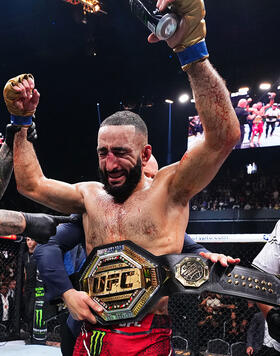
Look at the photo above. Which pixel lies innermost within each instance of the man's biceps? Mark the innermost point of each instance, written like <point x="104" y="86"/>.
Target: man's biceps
<point x="62" y="189"/>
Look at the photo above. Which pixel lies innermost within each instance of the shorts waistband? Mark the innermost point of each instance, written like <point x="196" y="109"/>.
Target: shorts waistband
<point x="149" y="322"/>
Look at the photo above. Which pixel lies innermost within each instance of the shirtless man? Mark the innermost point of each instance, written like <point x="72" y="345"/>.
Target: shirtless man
<point x="128" y="206"/>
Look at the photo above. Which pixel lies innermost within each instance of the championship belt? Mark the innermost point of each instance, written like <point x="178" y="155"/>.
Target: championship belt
<point x="127" y="280"/>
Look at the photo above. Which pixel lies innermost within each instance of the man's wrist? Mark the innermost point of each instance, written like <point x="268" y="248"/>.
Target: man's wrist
<point x="21" y="120"/>
<point x="196" y="53"/>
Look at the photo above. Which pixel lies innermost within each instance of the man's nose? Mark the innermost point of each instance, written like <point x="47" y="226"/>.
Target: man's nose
<point x="111" y="162"/>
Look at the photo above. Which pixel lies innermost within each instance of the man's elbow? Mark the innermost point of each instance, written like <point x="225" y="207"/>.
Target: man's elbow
<point x="24" y="189"/>
<point x="29" y="189"/>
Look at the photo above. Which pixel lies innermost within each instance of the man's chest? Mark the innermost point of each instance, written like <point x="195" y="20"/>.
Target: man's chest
<point x="135" y="219"/>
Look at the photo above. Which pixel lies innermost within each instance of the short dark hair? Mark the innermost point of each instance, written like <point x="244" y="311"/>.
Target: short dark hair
<point x="126" y="117"/>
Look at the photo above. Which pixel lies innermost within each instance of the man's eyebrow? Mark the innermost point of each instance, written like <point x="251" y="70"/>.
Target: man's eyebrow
<point x="121" y="148"/>
<point x="115" y="149"/>
<point x="101" y="149"/>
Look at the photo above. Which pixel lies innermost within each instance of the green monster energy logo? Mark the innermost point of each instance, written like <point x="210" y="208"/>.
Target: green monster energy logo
<point x="39" y="292"/>
<point x="39" y="318"/>
<point x="96" y="342"/>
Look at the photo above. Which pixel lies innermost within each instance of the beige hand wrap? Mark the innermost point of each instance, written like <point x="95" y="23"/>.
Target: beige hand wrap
<point x="11" y="95"/>
<point x="193" y="29"/>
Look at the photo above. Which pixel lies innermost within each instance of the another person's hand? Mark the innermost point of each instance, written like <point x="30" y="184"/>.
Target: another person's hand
<point x="219" y="257"/>
<point x="11" y="130"/>
<point x="40" y="227"/>
<point x="79" y="304"/>
<point x="249" y="350"/>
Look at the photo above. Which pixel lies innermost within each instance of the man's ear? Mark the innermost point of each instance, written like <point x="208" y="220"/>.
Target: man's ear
<point x="146" y="154"/>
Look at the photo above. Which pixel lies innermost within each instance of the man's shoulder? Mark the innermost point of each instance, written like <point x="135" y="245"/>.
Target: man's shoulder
<point x="166" y="171"/>
<point x="91" y="186"/>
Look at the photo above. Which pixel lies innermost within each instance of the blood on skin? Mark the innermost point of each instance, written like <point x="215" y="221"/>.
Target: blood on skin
<point x="184" y="157"/>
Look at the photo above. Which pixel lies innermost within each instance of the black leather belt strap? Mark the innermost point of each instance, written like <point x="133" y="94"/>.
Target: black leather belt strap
<point x="127" y="280"/>
<point x="234" y="280"/>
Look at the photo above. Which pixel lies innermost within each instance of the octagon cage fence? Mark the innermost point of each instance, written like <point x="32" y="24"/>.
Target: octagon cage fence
<point x="206" y="324"/>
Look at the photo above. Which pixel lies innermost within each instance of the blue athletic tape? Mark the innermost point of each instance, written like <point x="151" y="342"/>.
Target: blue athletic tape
<point x="193" y="53"/>
<point x="21" y="120"/>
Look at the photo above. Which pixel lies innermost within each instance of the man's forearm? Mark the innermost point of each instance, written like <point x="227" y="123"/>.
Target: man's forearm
<point x="213" y="105"/>
<point x="11" y="222"/>
<point x="6" y="167"/>
<point x="26" y="166"/>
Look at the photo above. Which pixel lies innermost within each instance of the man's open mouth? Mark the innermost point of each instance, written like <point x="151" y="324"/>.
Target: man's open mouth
<point x="115" y="177"/>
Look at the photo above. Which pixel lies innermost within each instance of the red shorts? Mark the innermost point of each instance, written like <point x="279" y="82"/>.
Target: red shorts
<point x="257" y="129"/>
<point x="148" y="337"/>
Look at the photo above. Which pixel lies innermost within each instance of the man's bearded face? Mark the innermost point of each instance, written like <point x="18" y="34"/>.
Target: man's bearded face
<point x="122" y="192"/>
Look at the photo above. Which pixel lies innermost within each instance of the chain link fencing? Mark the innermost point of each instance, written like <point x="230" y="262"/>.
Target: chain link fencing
<point x="202" y="324"/>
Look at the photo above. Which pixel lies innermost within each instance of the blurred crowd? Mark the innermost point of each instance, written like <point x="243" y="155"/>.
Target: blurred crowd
<point x="8" y="270"/>
<point x="225" y="318"/>
<point x="241" y="191"/>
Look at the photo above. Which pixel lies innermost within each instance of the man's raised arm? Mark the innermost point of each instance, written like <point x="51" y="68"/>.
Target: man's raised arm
<point x="6" y="154"/>
<point x="221" y="127"/>
<point x="22" y="99"/>
<point x="32" y="183"/>
<point x="221" y="131"/>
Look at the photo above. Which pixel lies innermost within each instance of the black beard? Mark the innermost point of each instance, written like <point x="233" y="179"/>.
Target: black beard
<point x="121" y="193"/>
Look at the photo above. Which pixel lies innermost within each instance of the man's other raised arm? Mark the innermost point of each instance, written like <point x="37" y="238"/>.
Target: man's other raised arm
<point x="221" y="127"/>
<point x="32" y="183"/>
<point x="221" y="130"/>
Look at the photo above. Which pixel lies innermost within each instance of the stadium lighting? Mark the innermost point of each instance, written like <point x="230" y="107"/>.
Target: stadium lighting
<point x="243" y="90"/>
<point x="278" y="88"/>
<point x="183" y="98"/>
<point x="265" y="86"/>
<point x="192" y="101"/>
<point x="169" y="101"/>
<point x="89" y="6"/>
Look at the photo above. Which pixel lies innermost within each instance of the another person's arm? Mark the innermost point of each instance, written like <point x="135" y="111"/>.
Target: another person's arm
<point x="39" y="227"/>
<point x="6" y="167"/>
<point x="255" y="330"/>
<point x="49" y="258"/>
<point x="190" y="246"/>
<point x="50" y="263"/>
<point x="268" y="260"/>
<point x="11" y="222"/>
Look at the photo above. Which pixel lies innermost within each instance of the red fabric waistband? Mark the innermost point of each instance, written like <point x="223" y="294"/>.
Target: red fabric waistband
<point x="150" y="321"/>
